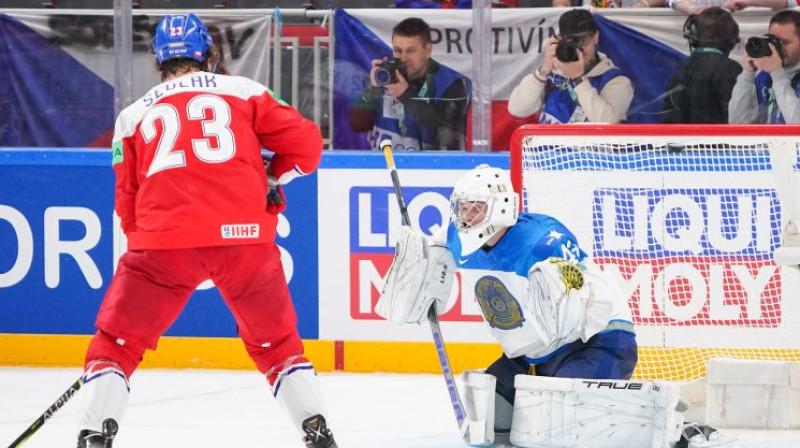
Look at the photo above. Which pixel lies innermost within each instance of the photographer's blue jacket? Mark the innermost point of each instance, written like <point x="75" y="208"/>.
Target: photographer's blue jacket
<point x="397" y="121"/>
<point x="767" y="103"/>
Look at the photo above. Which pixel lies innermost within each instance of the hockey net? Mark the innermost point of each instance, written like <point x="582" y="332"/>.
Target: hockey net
<point x="687" y="219"/>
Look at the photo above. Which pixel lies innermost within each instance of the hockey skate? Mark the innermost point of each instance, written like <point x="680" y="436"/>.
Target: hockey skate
<point x="317" y="433"/>
<point x="695" y="435"/>
<point x="94" y="439"/>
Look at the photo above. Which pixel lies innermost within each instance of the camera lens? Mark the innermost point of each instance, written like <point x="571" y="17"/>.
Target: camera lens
<point x="383" y="76"/>
<point x="567" y="50"/>
<point x="757" y="47"/>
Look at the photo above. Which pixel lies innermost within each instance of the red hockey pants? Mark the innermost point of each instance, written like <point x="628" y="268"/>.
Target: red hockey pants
<point x="151" y="288"/>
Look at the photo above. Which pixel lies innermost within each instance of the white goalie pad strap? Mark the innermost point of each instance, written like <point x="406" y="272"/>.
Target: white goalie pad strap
<point x="479" y="403"/>
<point x="420" y="275"/>
<point x="564" y="412"/>
<point x="104" y="395"/>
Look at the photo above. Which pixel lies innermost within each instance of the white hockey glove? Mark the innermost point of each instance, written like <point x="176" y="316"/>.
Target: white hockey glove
<point x="564" y="296"/>
<point x="420" y="275"/>
<point x="559" y="307"/>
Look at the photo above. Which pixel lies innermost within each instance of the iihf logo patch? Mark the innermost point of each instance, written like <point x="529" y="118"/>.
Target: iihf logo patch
<point x="235" y="231"/>
<point x="500" y="308"/>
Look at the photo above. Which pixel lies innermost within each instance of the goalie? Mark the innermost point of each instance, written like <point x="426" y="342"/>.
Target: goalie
<point x="560" y="321"/>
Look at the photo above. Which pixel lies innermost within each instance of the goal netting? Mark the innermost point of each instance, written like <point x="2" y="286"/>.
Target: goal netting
<point x="687" y="219"/>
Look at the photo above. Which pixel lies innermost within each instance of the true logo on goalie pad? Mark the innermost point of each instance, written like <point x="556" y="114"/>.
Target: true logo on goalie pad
<point x="623" y="385"/>
<point x="499" y="307"/>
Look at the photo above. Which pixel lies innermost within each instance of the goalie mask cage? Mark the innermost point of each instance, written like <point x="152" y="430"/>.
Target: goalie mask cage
<point x="686" y="218"/>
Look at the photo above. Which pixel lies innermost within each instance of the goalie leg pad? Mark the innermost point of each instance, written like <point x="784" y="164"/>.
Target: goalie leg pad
<point x="563" y="412"/>
<point x="479" y="403"/>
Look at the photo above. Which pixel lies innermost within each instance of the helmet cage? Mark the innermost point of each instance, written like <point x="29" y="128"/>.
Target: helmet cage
<point x="469" y="213"/>
<point x="482" y="204"/>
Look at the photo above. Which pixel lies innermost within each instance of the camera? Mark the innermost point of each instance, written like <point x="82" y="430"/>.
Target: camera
<point x="386" y="71"/>
<point x="758" y="47"/>
<point x="567" y="49"/>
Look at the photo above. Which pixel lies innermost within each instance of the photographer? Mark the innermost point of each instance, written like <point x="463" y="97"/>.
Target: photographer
<point x="767" y="89"/>
<point x="700" y="90"/>
<point x="575" y="83"/>
<point x="412" y="99"/>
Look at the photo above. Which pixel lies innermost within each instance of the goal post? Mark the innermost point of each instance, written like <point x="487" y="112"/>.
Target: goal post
<point x="687" y="218"/>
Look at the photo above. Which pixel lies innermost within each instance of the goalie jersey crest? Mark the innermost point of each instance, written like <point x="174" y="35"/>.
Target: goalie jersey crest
<point x="500" y="308"/>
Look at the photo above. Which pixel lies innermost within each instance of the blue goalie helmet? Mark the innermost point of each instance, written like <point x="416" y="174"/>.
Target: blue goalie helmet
<point x="181" y="36"/>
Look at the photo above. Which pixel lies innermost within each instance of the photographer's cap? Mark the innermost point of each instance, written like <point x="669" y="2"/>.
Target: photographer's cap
<point x="576" y="21"/>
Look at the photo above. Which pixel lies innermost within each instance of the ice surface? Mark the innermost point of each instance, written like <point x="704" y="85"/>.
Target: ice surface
<point x="211" y="409"/>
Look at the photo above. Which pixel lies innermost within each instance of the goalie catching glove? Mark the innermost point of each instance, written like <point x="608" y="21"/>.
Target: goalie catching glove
<point x="570" y="300"/>
<point x="420" y="275"/>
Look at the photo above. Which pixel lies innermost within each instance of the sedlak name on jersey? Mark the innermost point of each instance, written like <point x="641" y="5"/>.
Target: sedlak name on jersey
<point x="204" y="80"/>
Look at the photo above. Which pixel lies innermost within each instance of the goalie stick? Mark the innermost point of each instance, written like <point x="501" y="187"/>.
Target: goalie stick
<point x="63" y="399"/>
<point x="441" y="351"/>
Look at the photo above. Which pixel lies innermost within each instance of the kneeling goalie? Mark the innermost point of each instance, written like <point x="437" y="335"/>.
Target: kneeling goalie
<point x="565" y="328"/>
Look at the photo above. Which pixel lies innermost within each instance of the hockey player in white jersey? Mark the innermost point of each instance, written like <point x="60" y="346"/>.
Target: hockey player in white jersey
<point x="562" y="323"/>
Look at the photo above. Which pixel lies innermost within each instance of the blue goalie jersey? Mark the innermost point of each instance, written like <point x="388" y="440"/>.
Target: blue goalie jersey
<point x="499" y="279"/>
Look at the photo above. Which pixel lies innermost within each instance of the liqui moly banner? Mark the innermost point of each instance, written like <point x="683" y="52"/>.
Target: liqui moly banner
<point x="689" y="237"/>
<point x="356" y="251"/>
<point x="648" y="48"/>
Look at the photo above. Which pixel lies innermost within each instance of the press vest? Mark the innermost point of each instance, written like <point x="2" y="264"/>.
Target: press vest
<point x="396" y="123"/>
<point x="767" y="105"/>
<point x="561" y="103"/>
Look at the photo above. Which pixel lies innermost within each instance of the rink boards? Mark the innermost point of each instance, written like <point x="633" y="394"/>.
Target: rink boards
<point x="59" y="245"/>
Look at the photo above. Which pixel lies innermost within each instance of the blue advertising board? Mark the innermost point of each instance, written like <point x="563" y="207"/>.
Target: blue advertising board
<point x="57" y="239"/>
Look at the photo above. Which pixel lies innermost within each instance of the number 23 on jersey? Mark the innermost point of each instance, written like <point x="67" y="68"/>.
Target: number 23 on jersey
<point x="215" y="123"/>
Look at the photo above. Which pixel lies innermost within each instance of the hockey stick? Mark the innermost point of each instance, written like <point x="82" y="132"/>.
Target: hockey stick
<point x="63" y="399"/>
<point x="441" y="351"/>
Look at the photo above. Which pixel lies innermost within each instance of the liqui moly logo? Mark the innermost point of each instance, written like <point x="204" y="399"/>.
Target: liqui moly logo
<point x="696" y="257"/>
<point x="240" y="231"/>
<point x="375" y="223"/>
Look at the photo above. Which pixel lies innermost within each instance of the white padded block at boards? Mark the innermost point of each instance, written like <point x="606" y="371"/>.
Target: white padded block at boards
<point x="753" y="394"/>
